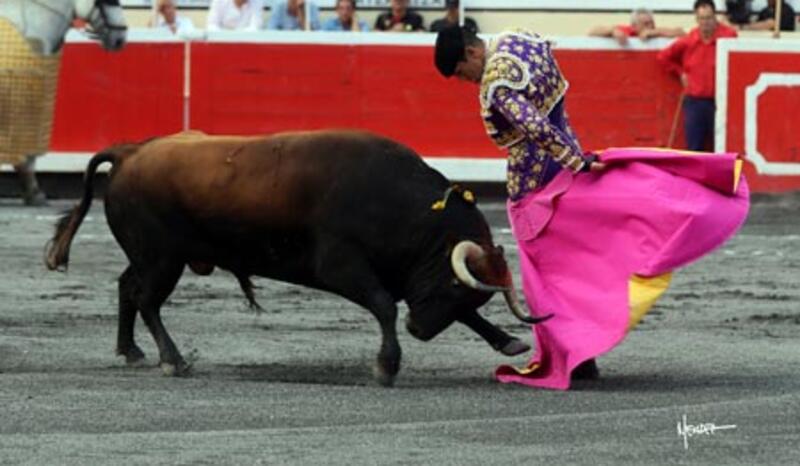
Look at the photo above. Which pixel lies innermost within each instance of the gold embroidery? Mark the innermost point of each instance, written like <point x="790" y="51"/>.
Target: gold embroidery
<point x="502" y="70"/>
<point x="507" y="137"/>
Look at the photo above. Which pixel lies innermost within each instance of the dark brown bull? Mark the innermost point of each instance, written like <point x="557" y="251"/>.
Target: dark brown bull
<point x="347" y="212"/>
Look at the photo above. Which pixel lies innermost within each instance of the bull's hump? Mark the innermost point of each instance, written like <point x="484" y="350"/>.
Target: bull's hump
<point x="193" y="136"/>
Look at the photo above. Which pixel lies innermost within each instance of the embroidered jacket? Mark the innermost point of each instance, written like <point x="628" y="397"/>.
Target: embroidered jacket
<point x="520" y="87"/>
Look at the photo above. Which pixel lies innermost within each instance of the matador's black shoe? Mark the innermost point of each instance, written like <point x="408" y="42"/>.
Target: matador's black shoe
<point x="587" y="370"/>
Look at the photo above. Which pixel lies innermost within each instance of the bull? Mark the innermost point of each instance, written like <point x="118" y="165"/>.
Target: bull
<point x="347" y="212"/>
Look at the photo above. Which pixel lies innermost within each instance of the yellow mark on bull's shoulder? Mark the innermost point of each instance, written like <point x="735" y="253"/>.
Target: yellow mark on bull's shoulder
<point x="465" y="194"/>
<point x="438" y="205"/>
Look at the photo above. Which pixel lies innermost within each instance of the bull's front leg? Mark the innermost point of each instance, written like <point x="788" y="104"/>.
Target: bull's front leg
<point x="344" y="270"/>
<point x="497" y="339"/>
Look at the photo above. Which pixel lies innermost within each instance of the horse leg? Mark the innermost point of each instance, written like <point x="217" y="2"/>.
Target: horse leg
<point x="128" y="296"/>
<point x="32" y="195"/>
<point x="497" y="339"/>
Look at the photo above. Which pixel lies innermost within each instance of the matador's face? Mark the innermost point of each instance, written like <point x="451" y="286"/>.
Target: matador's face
<point x="471" y="67"/>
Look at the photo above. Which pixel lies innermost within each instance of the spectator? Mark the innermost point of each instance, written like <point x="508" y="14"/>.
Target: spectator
<point x="168" y="18"/>
<point x="738" y="11"/>
<point x="693" y="58"/>
<point x="399" y="19"/>
<point x="766" y="18"/>
<point x="290" y="15"/>
<point x="235" y="15"/>
<point x="346" y="19"/>
<point x="642" y="25"/>
<point x="451" y="17"/>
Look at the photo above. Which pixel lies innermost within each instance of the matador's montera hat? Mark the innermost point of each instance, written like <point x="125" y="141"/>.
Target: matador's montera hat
<point x="449" y="50"/>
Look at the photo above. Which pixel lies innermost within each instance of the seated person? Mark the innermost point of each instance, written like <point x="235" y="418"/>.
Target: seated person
<point x="642" y="25"/>
<point x="290" y="15"/>
<point x="346" y="19"/>
<point x="738" y="11"/>
<point x="766" y="18"/>
<point x="168" y="18"/>
<point x="242" y="15"/>
<point x="399" y="19"/>
<point x="451" y="17"/>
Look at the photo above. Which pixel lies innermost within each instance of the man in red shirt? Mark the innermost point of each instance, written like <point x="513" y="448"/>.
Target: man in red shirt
<point x="693" y="58"/>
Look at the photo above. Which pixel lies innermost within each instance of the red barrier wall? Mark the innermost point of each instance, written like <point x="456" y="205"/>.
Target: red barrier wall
<point x="104" y="98"/>
<point x="616" y="97"/>
<point x="776" y="130"/>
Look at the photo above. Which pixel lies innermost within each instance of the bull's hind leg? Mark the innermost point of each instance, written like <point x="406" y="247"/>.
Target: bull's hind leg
<point x="157" y="282"/>
<point x="128" y="298"/>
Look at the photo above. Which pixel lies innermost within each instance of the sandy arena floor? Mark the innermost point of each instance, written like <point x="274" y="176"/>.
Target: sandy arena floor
<point x="293" y="385"/>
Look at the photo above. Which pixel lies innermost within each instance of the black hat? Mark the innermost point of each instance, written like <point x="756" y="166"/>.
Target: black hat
<point x="451" y="3"/>
<point x="449" y="50"/>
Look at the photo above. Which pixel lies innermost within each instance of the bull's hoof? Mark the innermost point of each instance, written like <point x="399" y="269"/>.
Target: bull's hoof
<point x="514" y="347"/>
<point x="587" y="370"/>
<point x="176" y="370"/>
<point x="133" y="356"/>
<point x="384" y="378"/>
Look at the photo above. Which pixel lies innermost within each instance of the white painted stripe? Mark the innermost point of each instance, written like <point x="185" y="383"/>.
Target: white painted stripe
<point x="470" y="169"/>
<point x="593" y="5"/>
<point x="60" y="162"/>
<point x="762" y="45"/>
<point x="721" y="97"/>
<point x="455" y="168"/>
<point x="145" y="35"/>
<point x="724" y="49"/>
<point x="763" y="164"/>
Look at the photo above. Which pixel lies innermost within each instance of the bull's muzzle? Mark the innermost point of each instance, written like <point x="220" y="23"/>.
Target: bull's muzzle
<point x="417" y="331"/>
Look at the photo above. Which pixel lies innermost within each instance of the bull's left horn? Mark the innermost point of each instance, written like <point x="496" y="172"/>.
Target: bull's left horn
<point x="463" y="251"/>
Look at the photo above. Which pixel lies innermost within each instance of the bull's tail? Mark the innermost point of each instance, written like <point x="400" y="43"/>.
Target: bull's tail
<point x="57" y="255"/>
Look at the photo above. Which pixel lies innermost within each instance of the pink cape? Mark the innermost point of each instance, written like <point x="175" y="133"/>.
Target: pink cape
<point x="583" y="237"/>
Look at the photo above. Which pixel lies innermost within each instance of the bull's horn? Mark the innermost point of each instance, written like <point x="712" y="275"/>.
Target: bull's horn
<point x="458" y="259"/>
<point x="469" y="250"/>
<point x="516" y="307"/>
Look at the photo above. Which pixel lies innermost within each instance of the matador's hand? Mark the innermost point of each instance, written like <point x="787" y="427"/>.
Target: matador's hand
<point x="593" y="163"/>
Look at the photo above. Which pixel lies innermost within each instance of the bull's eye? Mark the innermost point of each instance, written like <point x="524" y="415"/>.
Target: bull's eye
<point x="456" y="282"/>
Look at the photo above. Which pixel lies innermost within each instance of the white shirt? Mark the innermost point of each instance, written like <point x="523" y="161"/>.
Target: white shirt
<point x="183" y="25"/>
<point x="223" y="14"/>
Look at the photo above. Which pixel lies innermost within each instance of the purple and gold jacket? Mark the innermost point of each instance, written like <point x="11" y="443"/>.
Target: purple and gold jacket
<point x="521" y="98"/>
